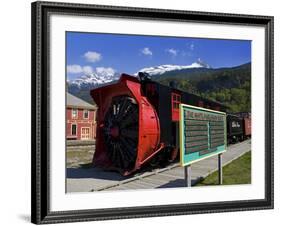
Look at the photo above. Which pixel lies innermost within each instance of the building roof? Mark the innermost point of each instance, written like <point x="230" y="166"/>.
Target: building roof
<point x="73" y="101"/>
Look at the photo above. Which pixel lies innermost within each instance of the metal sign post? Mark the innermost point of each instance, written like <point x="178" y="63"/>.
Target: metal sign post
<point x="220" y="168"/>
<point x="187" y="175"/>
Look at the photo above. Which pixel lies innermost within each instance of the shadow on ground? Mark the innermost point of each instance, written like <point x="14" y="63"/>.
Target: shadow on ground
<point x="89" y="171"/>
<point x="178" y="183"/>
<point x="97" y="173"/>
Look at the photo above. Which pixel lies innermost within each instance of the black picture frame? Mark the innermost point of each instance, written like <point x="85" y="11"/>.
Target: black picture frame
<point x="40" y="211"/>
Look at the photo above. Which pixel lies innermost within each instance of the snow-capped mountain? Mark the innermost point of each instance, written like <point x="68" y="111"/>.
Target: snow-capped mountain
<point x="94" y="79"/>
<point x="200" y="76"/>
<point x="159" y="70"/>
<point x="100" y="77"/>
<point x="81" y="85"/>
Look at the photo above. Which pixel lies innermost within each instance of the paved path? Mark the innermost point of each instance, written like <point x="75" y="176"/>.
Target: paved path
<point x="94" y="179"/>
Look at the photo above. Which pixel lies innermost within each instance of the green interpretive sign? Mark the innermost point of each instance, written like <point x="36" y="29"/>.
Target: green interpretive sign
<point x="202" y="133"/>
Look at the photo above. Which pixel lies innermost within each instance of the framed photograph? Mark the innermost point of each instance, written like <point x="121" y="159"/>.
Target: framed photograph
<point x="141" y="112"/>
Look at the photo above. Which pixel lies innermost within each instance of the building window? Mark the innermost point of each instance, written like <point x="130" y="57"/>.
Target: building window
<point x="85" y="133"/>
<point x="176" y="100"/>
<point x="74" y="113"/>
<point x="73" y="129"/>
<point x="86" y="114"/>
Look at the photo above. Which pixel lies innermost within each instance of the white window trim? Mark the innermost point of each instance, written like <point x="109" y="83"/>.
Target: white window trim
<point x="72" y="110"/>
<point x="86" y="127"/>
<point x="71" y="129"/>
<point x="84" y="114"/>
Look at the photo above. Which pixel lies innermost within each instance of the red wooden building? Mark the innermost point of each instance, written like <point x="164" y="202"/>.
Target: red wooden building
<point x="80" y="119"/>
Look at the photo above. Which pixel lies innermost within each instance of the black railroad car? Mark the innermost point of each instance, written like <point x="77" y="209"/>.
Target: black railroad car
<point x="235" y="131"/>
<point x="166" y="100"/>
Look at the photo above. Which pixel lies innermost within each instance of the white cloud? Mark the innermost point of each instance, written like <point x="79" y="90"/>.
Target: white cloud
<point x="92" y="56"/>
<point x="188" y="53"/>
<point x="105" y="70"/>
<point x="87" y="70"/>
<point x="74" y="69"/>
<point x="191" y="46"/>
<point x="77" y="69"/>
<point x="173" y="52"/>
<point x="146" y="51"/>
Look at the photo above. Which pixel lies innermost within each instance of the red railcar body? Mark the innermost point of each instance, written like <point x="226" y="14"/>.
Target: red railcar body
<point x="247" y="127"/>
<point x="148" y="128"/>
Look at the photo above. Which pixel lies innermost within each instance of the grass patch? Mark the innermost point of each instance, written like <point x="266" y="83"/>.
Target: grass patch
<point x="236" y="172"/>
<point x="79" y="158"/>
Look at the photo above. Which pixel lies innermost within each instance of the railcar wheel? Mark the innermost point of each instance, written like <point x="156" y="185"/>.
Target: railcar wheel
<point x="121" y="131"/>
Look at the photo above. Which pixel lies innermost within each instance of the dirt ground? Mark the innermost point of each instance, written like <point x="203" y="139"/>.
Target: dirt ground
<point x="79" y="157"/>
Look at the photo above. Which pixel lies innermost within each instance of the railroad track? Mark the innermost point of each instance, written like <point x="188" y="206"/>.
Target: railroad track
<point x="170" y="176"/>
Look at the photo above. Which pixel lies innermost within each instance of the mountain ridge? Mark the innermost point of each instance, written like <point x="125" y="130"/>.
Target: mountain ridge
<point x="212" y="83"/>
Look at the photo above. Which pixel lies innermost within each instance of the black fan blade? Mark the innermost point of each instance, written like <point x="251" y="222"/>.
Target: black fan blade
<point x="130" y="133"/>
<point x="122" y="116"/>
<point x="122" y="111"/>
<point x="131" y="119"/>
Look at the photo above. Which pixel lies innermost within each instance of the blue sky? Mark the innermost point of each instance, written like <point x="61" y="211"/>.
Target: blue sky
<point x="90" y="52"/>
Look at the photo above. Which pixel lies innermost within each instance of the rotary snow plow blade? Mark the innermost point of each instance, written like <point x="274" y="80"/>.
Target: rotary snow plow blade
<point x="128" y="130"/>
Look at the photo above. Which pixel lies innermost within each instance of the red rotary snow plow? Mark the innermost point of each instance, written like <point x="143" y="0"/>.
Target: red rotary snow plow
<point x="128" y="129"/>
